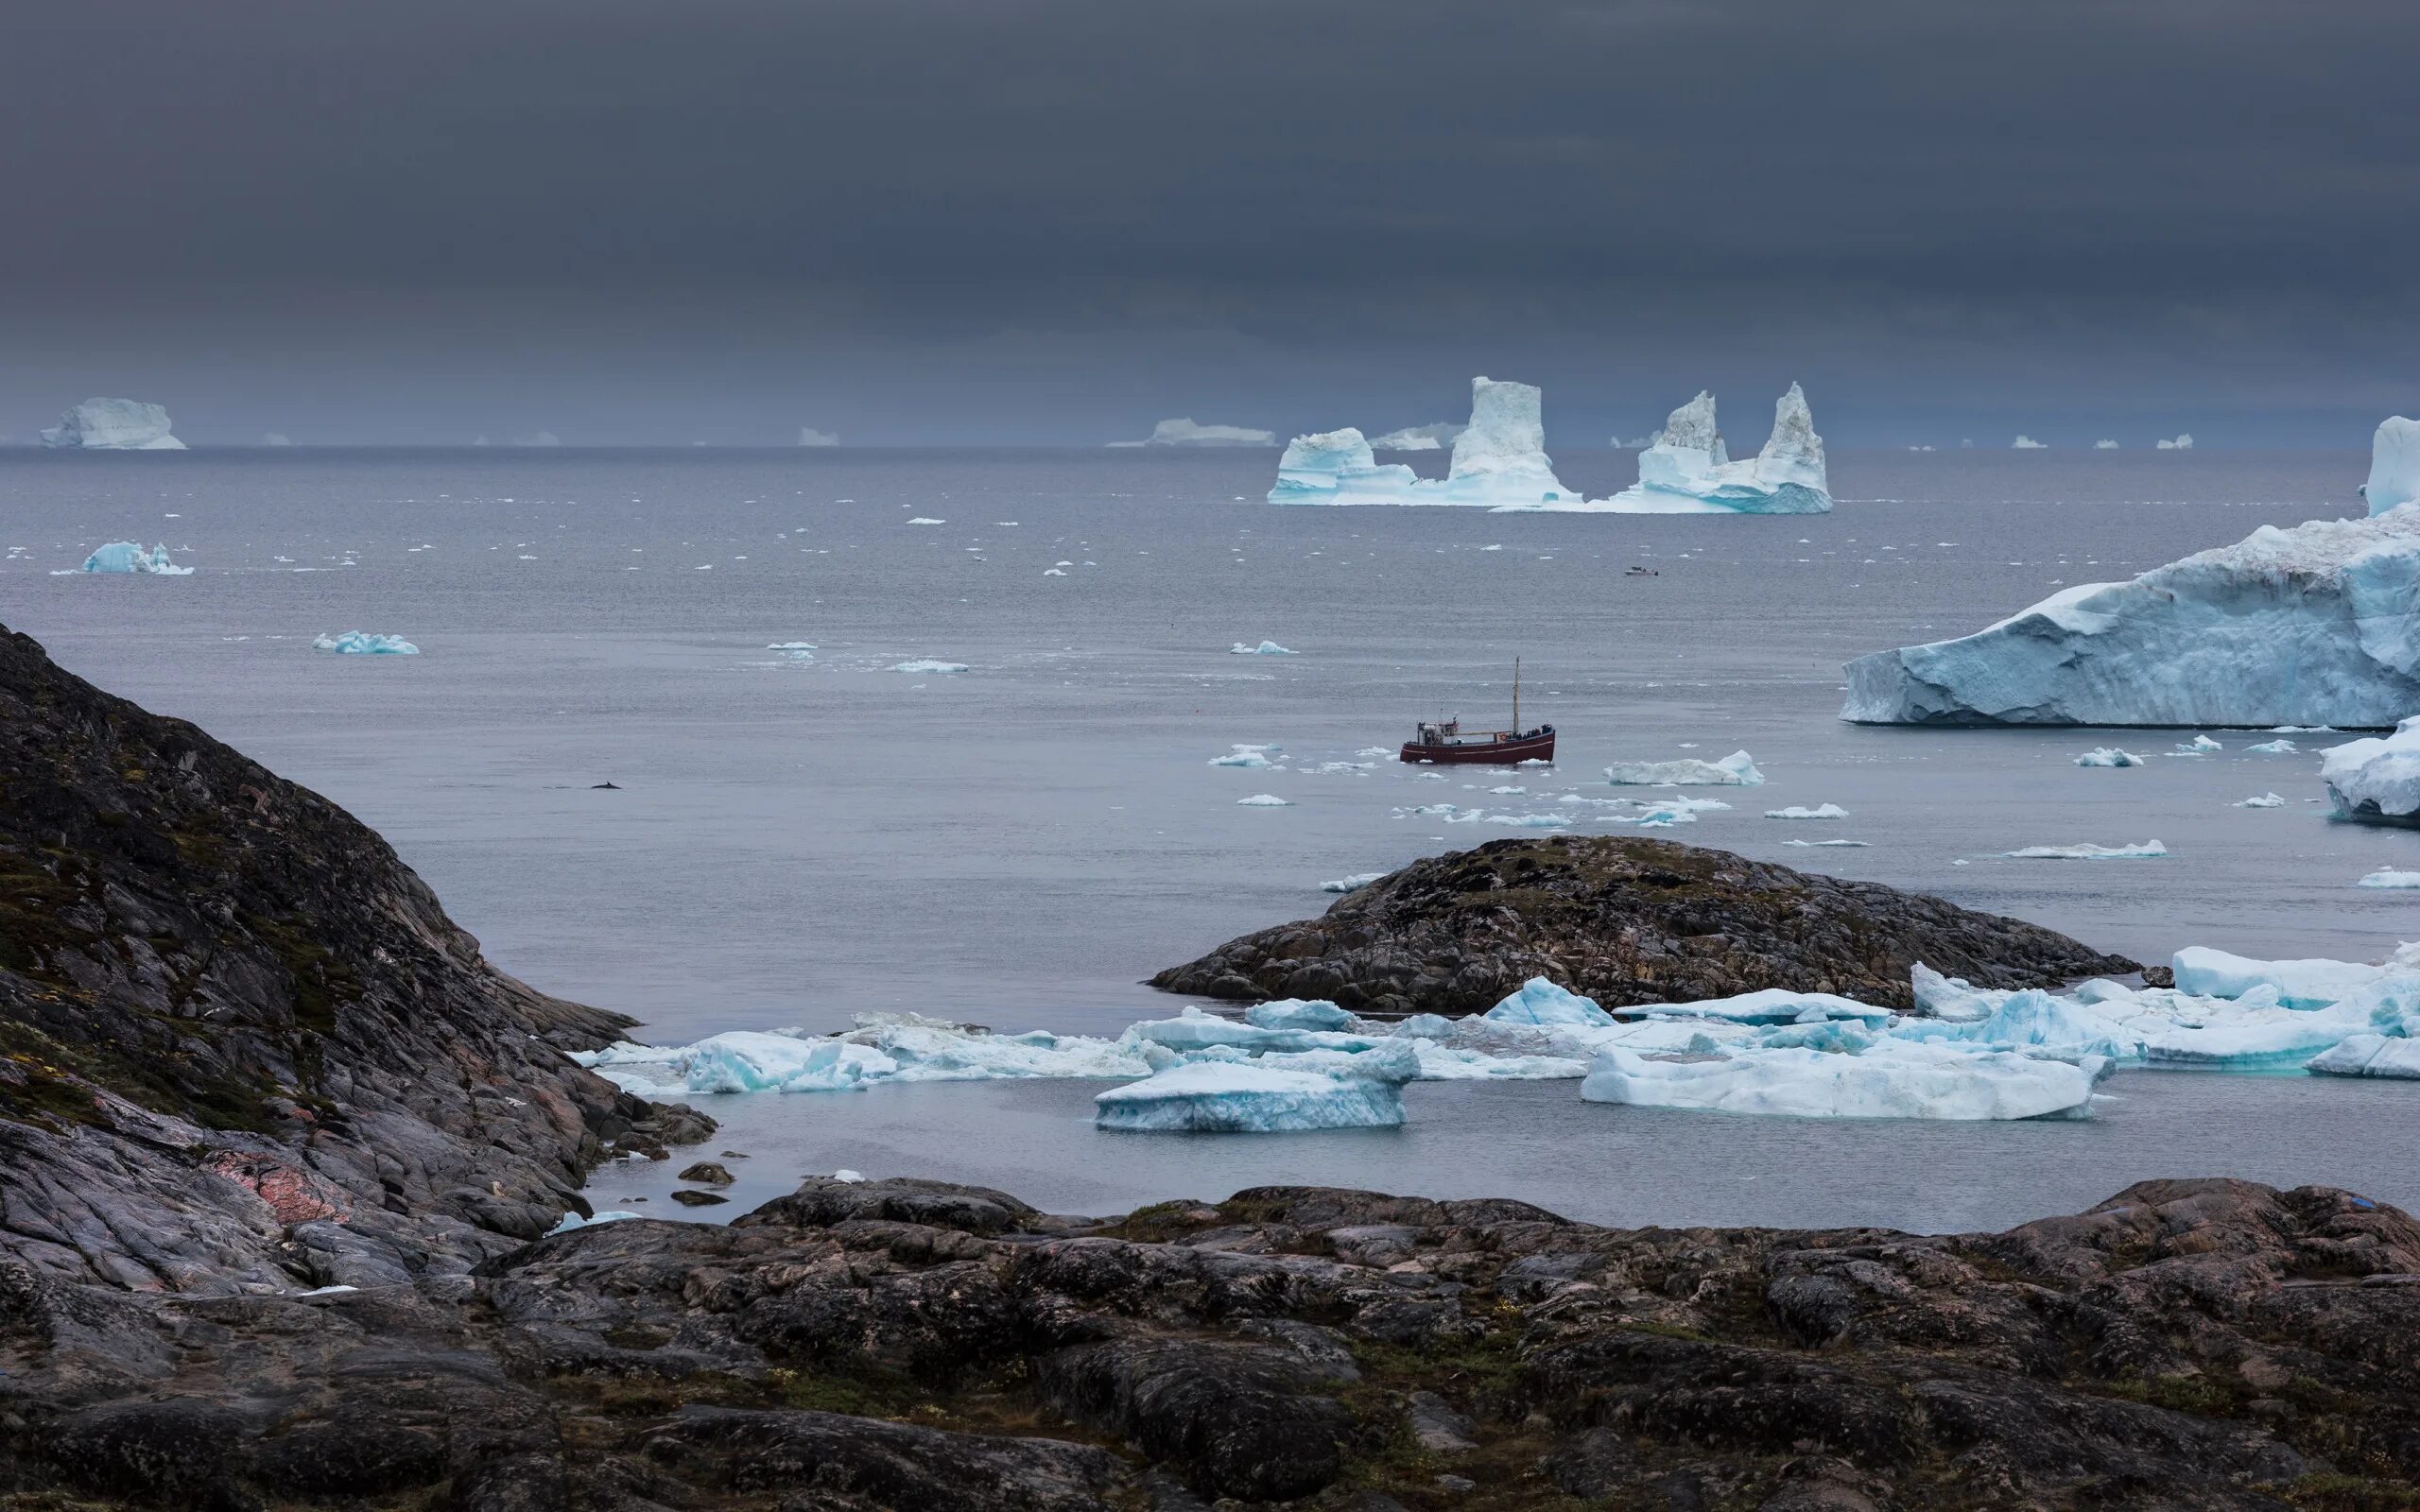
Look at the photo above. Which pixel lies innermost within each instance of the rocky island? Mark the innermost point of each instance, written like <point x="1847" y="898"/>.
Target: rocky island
<point x="280" y="1157"/>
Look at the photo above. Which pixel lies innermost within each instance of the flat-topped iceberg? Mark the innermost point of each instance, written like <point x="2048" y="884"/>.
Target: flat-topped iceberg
<point x="1434" y="437"/>
<point x="1183" y="431"/>
<point x="2316" y="625"/>
<point x="112" y="425"/>
<point x="1499" y="461"/>
<point x="1876" y="1078"/>
<point x="356" y="642"/>
<point x="1688" y="470"/>
<point x="1220" y="1097"/>
<point x="1739" y="769"/>
<point x="129" y="557"/>
<point x="2376" y="781"/>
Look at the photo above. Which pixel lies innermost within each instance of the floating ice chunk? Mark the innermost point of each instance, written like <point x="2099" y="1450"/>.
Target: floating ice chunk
<point x="1826" y="811"/>
<point x="846" y="1174"/>
<point x="1264" y="800"/>
<point x="1427" y="438"/>
<point x="2032" y="1019"/>
<point x="795" y="650"/>
<point x="2265" y="800"/>
<point x="112" y="425"/>
<point x="2110" y="756"/>
<point x="1951" y="998"/>
<point x="2394" y="465"/>
<point x="1534" y="821"/>
<point x="1253" y="758"/>
<point x="1183" y="432"/>
<point x="1686" y="470"/>
<point x="1850" y="845"/>
<point x="1738" y="769"/>
<point x="1887" y="1079"/>
<point x="1541" y="1001"/>
<point x="1770" y="1005"/>
<point x="2104" y="444"/>
<point x="2027" y="443"/>
<point x="1426" y="1027"/>
<point x="1336" y="467"/>
<point x="928" y="665"/>
<point x="926" y="520"/>
<point x="2310" y="983"/>
<point x="2182" y="443"/>
<point x="2145" y="851"/>
<point x="129" y="557"/>
<point x="1499" y="461"/>
<point x="1351" y="884"/>
<point x="2389" y="877"/>
<point x="2377" y="780"/>
<point x="2370" y="1055"/>
<point x="1193" y="1031"/>
<point x="2313" y="625"/>
<point x="742" y="1061"/>
<point x="1263" y="648"/>
<point x="354" y="642"/>
<point x="1243" y="1098"/>
<point x="2199" y="746"/>
<point x="1298" y="1013"/>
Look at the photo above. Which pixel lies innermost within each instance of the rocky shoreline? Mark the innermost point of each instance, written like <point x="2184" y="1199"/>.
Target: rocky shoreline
<point x="1625" y="921"/>
<point x="280" y="1153"/>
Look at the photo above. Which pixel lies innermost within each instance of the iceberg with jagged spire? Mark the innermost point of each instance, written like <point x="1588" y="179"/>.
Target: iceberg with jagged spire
<point x="1500" y="462"/>
<point x="112" y="425"/>
<point x="1686" y="469"/>
<point x="2316" y="625"/>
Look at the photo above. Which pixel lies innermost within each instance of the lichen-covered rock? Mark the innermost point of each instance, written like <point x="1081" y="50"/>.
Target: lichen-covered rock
<point x="1624" y="921"/>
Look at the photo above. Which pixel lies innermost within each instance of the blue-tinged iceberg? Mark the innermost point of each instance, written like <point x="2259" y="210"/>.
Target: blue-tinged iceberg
<point x="2316" y="625"/>
<point x="356" y="642"/>
<point x="2376" y="781"/>
<point x="1739" y="769"/>
<point x="1227" y="1098"/>
<point x="2370" y="1055"/>
<point x="1688" y="470"/>
<point x="1499" y="461"/>
<point x="129" y="557"/>
<point x="1851" y="1076"/>
<point x="112" y="425"/>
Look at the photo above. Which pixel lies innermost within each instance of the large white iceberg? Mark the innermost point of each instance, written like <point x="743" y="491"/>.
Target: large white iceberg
<point x="1853" y="1078"/>
<point x="2394" y="465"/>
<point x="113" y="425"/>
<point x="2376" y="779"/>
<point x="1739" y="769"/>
<point x="2310" y="983"/>
<point x="1499" y="461"/>
<point x="1688" y="470"/>
<point x="129" y="557"/>
<point x="1224" y="1097"/>
<point x="1183" y="432"/>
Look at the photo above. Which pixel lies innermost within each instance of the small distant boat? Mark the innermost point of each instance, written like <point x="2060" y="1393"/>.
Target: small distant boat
<point x="1447" y="742"/>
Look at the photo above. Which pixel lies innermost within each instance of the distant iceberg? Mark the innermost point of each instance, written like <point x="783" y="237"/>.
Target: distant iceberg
<point x="809" y="435"/>
<point x="354" y="642"/>
<point x="128" y="557"/>
<point x="1739" y="769"/>
<point x="927" y="665"/>
<point x="1688" y="470"/>
<point x="1797" y="811"/>
<point x="1263" y="648"/>
<point x="2110" y="756"/>
<point x="276" y="438"/>
<point x="1850" y="1076"/>
<point x="2376" y="781"/>
<point x="2145" y="851"/>
<point x="2104" y="444"/>
<point x="1183" y="432"/>
<point x="1217" y="1097"/>
<point x="1499" y="461"/>
<point x="2027" y="443"/>
<point x="2181" y="443"/>
<point x="1431" y="437"/>
<point x="1351" y="884"/>
<point x="112" y="425"/>
<point x="2316" y="625"/>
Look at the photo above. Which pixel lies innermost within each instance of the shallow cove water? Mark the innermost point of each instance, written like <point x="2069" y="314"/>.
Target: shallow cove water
<point x="791" y="842"/>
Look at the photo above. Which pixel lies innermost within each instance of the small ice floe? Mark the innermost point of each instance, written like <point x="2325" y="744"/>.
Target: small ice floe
<point x="1824" y="811"/>
<point x="1226" y="1097"/>
<point x="928" y="665"/>
<point x="926" y="520"/>
<point x="2274" y="747"/>
<point x="2199" y="746"/>
<point x="1851" y="845"/>
<point x="1263" y="648"/>
<point x="800" y="651"/>
<point x="1531" y="821"/>
<point x="2389" y="877"/>
<point x="2111" y="756"/>
<point x="1351" y="884"/>
<point x="1252" y="757"/>
<point x="1264" y="800"/>
<point x="2148" y="849"/>
<point x="844" y="1174"/>
<point x="2375" y="780"/>
<point x="129" y="557"/>
<point x="356" y="642"/>
<point x="2265" y="800"/>
<point x="1736" y="770"/>
<point x="1054" y="572"/>
<point x="1509" y="790"/>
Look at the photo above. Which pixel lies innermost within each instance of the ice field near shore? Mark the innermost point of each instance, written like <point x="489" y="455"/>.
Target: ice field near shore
<point x="791" y="842"/>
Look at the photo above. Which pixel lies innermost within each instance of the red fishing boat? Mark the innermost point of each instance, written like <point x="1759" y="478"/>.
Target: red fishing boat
<point x="1446" y="741"/>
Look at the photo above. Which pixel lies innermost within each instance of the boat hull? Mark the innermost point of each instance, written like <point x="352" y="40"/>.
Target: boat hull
<point x="1482" y="752"/>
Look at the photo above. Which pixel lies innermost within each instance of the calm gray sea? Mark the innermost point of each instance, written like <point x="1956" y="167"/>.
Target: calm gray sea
<point x="793" y="842"/>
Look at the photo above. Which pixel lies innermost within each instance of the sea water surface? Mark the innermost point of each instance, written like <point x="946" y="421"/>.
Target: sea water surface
<point x="792" y="840"/>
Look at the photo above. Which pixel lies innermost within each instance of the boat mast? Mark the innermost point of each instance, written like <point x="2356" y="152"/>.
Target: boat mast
<point x="1516" y="696"/>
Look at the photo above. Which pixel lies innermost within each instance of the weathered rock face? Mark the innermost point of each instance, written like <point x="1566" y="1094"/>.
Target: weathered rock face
<point x="910" y="1346"/>
<point x="1625" y="921"/>
<point x="240" y="1043"/>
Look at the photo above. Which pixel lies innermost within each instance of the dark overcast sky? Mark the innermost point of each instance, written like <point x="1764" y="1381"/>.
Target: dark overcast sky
<point x="941" y="221"/>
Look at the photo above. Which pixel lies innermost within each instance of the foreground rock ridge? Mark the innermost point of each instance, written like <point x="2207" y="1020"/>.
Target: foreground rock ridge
<point x="241" y="1046"/>
<point x="910" y="1345"/>
<point x="1625" y="921"/>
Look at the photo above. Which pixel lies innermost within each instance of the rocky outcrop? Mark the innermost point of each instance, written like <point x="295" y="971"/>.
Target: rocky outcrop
<point x="1625" y="921"/>
<point x="241" y="1046"/>
<point x="912" y="1346"/>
